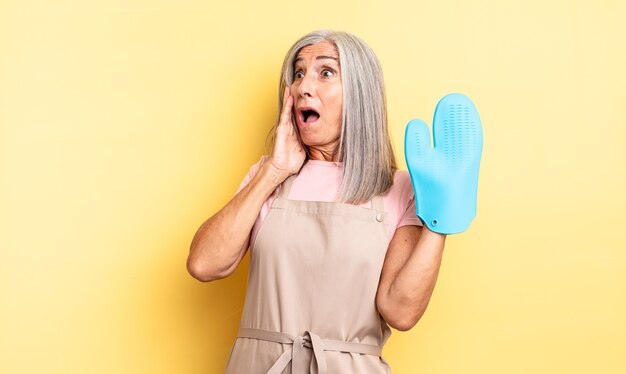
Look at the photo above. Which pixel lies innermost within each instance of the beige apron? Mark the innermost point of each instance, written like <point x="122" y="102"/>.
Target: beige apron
<point x="310" y="303"/>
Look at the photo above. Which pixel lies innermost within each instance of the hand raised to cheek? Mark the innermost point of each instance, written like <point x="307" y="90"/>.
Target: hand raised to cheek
<point x="288" y="154"/>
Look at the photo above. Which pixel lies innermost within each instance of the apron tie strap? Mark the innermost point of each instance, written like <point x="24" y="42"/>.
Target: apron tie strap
<point x="309" y="340"/>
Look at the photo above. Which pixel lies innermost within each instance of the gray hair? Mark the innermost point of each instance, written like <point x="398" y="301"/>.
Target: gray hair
<point x="364" y="146"/>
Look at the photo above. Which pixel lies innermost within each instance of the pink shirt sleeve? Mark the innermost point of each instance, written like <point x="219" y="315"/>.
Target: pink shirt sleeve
<point x="265" y="208"/>
<point x="254" y="169"/>
<point x="407" y="200"/>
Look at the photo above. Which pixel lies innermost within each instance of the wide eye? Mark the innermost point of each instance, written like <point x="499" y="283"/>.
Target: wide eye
<point x="298" y="74"/>
<point x="327" y="73"/>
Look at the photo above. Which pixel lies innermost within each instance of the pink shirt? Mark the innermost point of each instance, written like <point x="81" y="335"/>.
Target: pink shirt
<point x="320" y="181"/>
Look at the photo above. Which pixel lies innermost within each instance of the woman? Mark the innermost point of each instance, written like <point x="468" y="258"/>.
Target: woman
<point x="338" y="254"/>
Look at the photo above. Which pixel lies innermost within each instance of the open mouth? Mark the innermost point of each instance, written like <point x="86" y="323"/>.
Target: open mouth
<point x="309" y="115"/>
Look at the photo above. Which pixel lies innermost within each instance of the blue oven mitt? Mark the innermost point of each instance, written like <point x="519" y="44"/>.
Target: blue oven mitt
<point x="445" y="178"/>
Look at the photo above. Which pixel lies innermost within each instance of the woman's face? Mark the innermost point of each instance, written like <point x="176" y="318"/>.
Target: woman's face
<point x="317" y="93"/>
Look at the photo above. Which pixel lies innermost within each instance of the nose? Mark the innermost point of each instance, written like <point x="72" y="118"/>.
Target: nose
<point x="306" y="85"/>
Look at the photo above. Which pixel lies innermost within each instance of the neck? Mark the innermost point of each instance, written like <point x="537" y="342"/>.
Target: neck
<point x="322" y="154"/>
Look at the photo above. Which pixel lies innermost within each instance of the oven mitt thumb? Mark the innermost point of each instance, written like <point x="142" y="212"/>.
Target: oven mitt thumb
<point x="445" y="178"/>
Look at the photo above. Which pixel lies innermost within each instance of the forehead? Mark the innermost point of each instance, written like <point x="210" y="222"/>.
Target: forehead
<point x="313" y="51"/>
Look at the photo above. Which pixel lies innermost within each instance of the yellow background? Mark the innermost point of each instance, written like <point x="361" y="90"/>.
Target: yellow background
<point x="125" y="124"/>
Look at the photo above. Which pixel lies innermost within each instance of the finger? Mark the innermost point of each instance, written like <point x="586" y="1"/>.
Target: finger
<point x="287" y="104"/>
<point x="416" y="141"/>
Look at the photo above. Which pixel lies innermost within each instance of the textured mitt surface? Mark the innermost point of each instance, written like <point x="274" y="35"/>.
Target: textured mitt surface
<point x="445" y="177"/>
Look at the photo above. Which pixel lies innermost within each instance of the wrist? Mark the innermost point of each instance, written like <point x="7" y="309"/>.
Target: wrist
<point x="274" y="174"/>
<point x="428" y="232"/>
